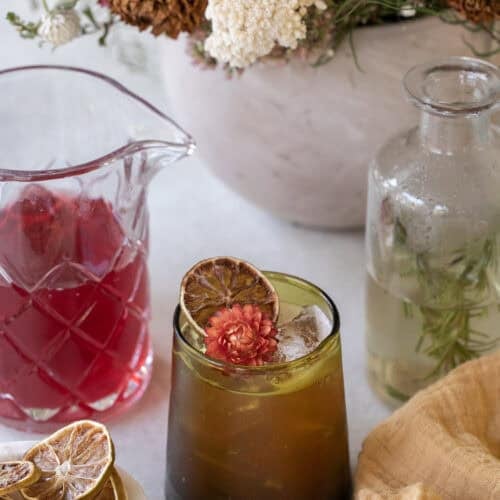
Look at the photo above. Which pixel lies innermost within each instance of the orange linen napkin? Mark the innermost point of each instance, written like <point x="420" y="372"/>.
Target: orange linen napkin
<point x="443" y="444"/>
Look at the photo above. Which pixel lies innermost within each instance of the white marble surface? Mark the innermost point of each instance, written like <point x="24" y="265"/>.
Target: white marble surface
<point x="194" y="216"/>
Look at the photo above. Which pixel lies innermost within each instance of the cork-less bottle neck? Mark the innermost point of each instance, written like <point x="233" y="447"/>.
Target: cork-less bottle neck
<point x="457" y="97"/>
<point x="450" y="135"/>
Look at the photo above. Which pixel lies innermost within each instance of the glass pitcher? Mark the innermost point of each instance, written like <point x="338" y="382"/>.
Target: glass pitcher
<point x="433" y="231"/>
<point x="78" y="152"/>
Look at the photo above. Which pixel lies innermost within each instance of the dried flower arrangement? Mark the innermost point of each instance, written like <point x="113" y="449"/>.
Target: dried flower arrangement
<point x="239" y="33"/>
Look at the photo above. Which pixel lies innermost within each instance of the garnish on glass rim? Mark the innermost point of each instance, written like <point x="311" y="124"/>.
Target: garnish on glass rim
<point x="242" y="335"/>
<point x="222" y="282"/>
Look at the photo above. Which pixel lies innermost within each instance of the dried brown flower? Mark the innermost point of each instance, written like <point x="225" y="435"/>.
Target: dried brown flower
<point x="477" y="11"/>
<point x="162" y="16"/>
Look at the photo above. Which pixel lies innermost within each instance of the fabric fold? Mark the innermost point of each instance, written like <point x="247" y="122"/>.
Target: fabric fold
<point x="444" y="443"/>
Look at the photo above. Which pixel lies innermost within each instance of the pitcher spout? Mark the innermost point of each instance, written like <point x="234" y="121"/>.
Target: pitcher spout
<point x="124" y="128"/>
<point x="157" y="136"/>
<point x="158" y="154"/>
<point x="163" y="153"/>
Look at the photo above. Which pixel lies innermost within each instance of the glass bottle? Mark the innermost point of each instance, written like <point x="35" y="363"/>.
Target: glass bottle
<point x="433" y="231"/>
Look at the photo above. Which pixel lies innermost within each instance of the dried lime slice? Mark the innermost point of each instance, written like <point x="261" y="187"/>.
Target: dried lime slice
<point x="222" y="282"/>
<point x="113" y="489"/>
<point x="75" y="463"/>
<point x="17" y="475"/>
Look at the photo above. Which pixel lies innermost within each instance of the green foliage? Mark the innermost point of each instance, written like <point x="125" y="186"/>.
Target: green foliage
<point x="93" y="26"/>
<point x="26" y="29"/>
<point x="328" y="30"/>
<point x="456" y="290"/>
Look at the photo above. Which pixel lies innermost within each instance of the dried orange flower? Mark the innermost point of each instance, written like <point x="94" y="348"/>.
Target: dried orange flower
<point x="242" y="335"/>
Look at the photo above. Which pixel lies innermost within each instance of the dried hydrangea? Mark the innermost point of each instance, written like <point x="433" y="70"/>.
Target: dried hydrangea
<point x="60" y="26"/>
<point x="244" y="31"/>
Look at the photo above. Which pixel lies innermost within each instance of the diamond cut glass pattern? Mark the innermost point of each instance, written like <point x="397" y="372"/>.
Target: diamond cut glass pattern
<point x="74" y="284"/>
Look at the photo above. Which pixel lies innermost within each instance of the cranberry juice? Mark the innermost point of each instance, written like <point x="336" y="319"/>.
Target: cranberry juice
<point x="74" y="310"/>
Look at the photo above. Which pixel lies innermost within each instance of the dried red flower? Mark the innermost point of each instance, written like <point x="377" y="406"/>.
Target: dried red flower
<point x="242" y="335"/>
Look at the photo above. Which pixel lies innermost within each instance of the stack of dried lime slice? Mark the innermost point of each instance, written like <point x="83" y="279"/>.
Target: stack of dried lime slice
<point x="75" y="463"/>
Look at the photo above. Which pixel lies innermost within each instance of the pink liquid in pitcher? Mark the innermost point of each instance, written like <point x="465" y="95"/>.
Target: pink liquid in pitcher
<point x="74" y="311"/>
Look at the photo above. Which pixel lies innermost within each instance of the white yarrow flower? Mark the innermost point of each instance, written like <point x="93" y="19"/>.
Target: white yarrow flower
<point x="60" y="27"/>
<point x="246" y="30"/>
<point x="408" y="10"/>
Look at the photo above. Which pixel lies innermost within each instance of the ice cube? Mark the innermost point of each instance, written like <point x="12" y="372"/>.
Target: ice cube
<point x="302" y="334"/>
<point x="289" y="312"/>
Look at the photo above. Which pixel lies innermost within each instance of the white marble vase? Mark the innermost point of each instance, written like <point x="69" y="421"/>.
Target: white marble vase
<point x="297" y="140"/>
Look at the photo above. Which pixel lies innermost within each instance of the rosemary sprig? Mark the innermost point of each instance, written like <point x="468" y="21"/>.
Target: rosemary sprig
<point x="456" y="291"/>
<point x="94" y="26"/>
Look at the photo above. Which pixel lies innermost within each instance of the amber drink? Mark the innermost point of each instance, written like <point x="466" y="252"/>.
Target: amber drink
<point x="276" y="431"/>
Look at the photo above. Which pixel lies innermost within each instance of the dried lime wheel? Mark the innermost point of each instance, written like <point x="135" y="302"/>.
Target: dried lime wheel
<point x="75" y="463"/>
<point x="222" y="282"/>
<point x="113" y="489"/>
<point x="17" y="475"/>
